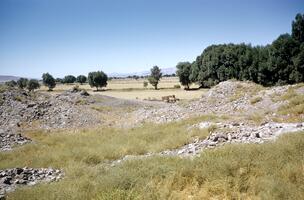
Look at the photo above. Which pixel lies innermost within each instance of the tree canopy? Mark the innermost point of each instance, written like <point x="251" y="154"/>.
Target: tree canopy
<point x="155" y="76"/>
<point x="183" y="73"/>
<point x="49" y="81"/>
<point x="281" y="62"/>
<point x="81" y="79"/>
<point x="69" y="79"/>
<point x="32" y="85"/>
<point x="22" y="83"/>
<point x="97" y="79"/>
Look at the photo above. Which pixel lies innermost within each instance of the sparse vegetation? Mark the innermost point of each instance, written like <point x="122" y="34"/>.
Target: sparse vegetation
<point x="32" y="85"/>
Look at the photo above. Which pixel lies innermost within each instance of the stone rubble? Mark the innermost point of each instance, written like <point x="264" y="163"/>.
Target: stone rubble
<point x="9" y="139"/>
<point x="20" y="110"/>
<point x="227" y="97"/>
<point x="10" y="179"/>
<point x="226" y="133"/>
<point x="232" y="133"/>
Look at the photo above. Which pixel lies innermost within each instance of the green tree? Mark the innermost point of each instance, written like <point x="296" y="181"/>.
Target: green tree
<point x="59" y="80"/>
<point x="22" y="83"/>
<point x="155" y="76"/>
<point x="81" y="79"/>
<point x="32" y="84"/>
<point x="298" y="28"/>
<point x="280" y="64"/>
<point x="48" y="81"/>
<point x="11" y="83"/>
<point x="145" y="84"/>
<point x="97" y="79"/>
<point x="183" y="72"/>
<point x="69" y="79"/>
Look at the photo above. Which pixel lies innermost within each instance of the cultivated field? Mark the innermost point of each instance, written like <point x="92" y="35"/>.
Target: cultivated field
<point x="134" y="89"/>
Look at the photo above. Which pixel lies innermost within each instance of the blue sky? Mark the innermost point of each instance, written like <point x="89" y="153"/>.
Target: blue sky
<point x="78" y="36"/>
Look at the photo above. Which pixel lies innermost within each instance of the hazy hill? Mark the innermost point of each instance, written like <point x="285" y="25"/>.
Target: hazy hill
<point x="4" y="78"/>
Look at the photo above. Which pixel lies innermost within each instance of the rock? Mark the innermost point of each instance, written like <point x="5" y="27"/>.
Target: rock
<point x="220" y="136"/>
<point x="12" y="178"/>
<point x="84" y="93"/>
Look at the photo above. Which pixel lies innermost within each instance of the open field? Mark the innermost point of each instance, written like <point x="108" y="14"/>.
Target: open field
<point x="212" y="147"/>
<point x="133" y="89"/>
<point x="233" y="172"/>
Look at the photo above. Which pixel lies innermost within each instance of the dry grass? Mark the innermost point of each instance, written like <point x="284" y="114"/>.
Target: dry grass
<point x="268" y="171"/>
<point x="255" y="100"/>
<point x="133" y="89"/>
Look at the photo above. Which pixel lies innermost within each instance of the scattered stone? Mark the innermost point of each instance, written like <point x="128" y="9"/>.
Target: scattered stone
<point x="15" y="177"/>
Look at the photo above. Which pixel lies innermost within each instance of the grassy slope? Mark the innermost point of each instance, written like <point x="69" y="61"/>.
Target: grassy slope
<point x="269" y="171"/>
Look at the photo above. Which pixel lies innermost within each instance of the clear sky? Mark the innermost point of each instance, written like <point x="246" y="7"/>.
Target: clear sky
<point x="77" y="36"/>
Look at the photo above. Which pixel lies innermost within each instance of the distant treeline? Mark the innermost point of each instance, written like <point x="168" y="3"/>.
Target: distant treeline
<point x="282" y="62"/>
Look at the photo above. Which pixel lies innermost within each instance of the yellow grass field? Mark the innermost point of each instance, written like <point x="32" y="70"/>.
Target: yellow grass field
<point x="134" y="89"/>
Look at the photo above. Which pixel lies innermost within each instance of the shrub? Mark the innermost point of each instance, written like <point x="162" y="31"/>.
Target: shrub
<point x="22" y="82"/>
<point x="145" y="84"/>
<point x="177" y="86"/>
<point x="81" y="79"/>
<point x="32" y="85"/>
<point x="48" y="81"/>
<point x="69" y="79"/>
<point x="11" y="83"/>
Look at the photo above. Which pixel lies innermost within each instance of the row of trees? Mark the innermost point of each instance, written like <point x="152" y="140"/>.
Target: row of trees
<point x="72" y="79"/>
<point x="96" y="79"/>
<point x="23" y="83"/>
<point x="282" y="62"/>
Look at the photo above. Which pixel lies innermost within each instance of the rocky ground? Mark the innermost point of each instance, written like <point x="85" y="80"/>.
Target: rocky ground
<point x="21" y="110"/>
<point x="225" y="133"/>
<point x="12" y="178"/>
<point x="226" y="98"/>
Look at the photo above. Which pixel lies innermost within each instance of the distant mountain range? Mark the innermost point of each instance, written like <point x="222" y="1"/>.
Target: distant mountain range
<point x="4" y="78"/>
<point x="165" y="71"/>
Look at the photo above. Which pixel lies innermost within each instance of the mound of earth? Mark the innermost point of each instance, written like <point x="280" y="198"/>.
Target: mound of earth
<point x="228" y="97"/>
<point x="21" y="110"/>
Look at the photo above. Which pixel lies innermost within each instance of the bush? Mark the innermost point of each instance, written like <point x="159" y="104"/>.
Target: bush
<point x="145" y="84"/>
<point x="11" y="83"/>
<point x="177" y="86"/>
<point x="81" y="79"/>
<point x="69" y="79"/>
<point x="48" y="81"/>
<point x="22" y="83"/>
<point x="32" y="85"/>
